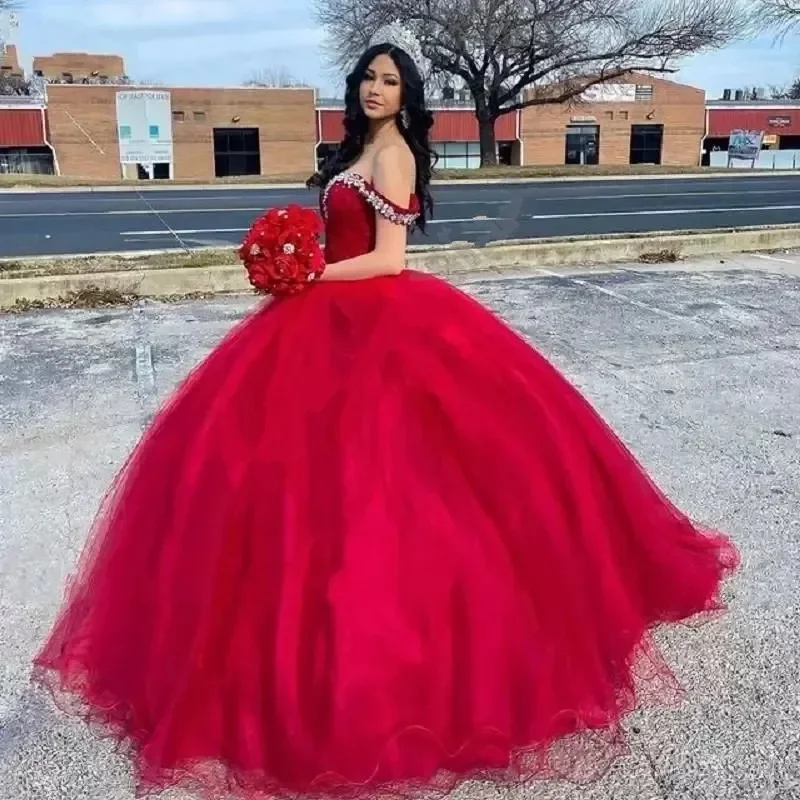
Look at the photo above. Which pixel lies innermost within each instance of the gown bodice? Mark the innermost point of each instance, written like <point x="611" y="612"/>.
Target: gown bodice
<point x="349" y="205"/>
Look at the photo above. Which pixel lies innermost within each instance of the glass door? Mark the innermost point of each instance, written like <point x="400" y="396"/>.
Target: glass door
<point x="583" y="144"/>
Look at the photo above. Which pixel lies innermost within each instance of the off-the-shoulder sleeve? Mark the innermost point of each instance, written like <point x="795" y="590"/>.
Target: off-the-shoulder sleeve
<point x="382" y="205"/>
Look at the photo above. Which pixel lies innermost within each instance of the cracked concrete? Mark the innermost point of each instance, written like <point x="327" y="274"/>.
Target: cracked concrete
<point x="696" y="364"/>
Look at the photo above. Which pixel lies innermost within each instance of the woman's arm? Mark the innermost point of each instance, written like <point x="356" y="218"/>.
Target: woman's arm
<point x="393" y="177"/>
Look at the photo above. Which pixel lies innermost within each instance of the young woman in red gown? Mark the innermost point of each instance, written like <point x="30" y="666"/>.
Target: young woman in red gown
<point x="375" y="543"/>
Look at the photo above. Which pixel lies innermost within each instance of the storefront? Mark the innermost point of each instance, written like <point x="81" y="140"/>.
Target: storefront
<point x="772" y="127"/>
<point x="24" y="147"/>
<point x="639" y="119"/>
<point x="110" y="131"/>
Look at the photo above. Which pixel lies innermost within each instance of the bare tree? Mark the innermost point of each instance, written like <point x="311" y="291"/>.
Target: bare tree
<point x="274" y="77"/>
<point x="511" y="54"/>
<point x="783" y="15"/>
<point x="14" y="85"/>
<point x="790" y="92"/>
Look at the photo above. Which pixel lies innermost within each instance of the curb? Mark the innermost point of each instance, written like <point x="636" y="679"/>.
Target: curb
<point x="446" y="260"/>
<point x="211" y="187"/>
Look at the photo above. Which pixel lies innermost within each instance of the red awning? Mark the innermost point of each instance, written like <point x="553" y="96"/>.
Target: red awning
<point x="21" y="127"/>
<point x="774" y="120"/>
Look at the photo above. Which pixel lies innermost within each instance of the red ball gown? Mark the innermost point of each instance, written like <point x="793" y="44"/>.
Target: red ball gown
<point x="375" y="544"/>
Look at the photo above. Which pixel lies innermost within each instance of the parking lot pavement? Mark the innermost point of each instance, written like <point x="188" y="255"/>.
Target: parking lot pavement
<point x="697" y="365"/>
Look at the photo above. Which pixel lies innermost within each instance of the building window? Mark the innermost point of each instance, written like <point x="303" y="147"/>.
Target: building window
<point x="178" y="116"/>
<point x="237" y="151"/>
<point x="644" y="92"/>
<point x="623" y="115"/>
<point x="153" y="131"/>
<point x="157" y="172"/>
<point x="646" y="141"/>
<point x="608" y="114"/>
<point x="583" y="144"/>
<point x="199" y="116"/>
<point x="125" y="132"/>
<point x="458" y="155"/>
<point x="505" y="153"/>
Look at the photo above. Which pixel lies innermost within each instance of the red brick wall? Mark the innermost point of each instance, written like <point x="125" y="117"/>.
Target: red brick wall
<point x="680" y="109"/>
<point x="10" y="61"/>
<point x="79" y="65"/>
<point x="83" y="128"/>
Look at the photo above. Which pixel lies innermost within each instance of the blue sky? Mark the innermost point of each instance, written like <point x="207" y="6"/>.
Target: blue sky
<point x="224" y="42"/>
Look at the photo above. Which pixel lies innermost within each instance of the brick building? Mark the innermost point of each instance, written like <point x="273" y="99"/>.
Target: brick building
<point x="92" y="123"/>
<point x="776" y="121"/>
<point x="9" y="61"/>
<point x="638" y="119"/>
<point x="209" y="132"/>
<point x="77" y="67"/>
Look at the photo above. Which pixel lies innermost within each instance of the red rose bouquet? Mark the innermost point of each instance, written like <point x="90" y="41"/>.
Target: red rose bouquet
<point x="281" y="251"/>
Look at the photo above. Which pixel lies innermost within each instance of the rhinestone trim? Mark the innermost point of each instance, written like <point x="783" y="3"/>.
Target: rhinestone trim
<point x="378" y="203"/>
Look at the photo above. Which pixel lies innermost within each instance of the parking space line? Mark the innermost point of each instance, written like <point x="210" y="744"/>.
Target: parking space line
<point x="623" y="298"/>
<point x="774" y="258"/>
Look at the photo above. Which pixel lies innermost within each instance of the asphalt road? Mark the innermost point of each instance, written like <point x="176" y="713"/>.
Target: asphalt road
<point x="54" y="223"/>
<point x="695" y="365"/>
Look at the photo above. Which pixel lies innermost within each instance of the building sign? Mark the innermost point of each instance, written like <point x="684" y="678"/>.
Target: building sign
<point x="780" y="122"/>
<point x="144" y="127"/>
<point x="744" y="145"/>
<point x="610" y="93"/>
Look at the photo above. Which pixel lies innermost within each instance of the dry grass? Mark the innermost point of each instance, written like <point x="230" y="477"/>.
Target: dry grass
<point x="89" y="297"/>
<point x="488" y="173"/>
<point x="83" y="265"/>
<point x="95" y="297"/>
<point x="659" y="257"/>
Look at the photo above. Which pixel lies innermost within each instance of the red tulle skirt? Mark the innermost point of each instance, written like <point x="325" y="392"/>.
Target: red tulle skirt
<point x="376" y="544"/>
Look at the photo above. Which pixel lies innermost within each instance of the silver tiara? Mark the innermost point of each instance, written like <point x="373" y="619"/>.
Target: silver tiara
<point x="400" y="36"/>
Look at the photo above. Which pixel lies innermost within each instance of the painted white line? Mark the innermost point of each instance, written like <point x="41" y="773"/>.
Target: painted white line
<point x="184" y="232"/>
<point x="773" y="258"/>
<point x="622" y="298"/>
<point x="145" y="375"/>
<point x="664" y="212"/>
<point x="465" y="220"/>
<point x="194" y="231"/>
<point x="135" y="212"/>
<point x="676" y="194"/>
<point x="475" y="202"/>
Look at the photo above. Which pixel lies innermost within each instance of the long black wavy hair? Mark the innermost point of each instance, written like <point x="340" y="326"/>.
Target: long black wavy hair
<point x="356" y="124"/>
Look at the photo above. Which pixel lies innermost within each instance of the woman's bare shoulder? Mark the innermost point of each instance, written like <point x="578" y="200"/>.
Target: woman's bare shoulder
<point x="394" y="162"/>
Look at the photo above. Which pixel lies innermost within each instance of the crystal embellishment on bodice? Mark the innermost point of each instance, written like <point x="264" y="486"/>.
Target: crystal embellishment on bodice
<point x="382" y="205"/>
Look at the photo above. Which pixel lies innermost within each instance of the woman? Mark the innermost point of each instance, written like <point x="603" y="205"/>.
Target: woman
<point x="376" y="542"/>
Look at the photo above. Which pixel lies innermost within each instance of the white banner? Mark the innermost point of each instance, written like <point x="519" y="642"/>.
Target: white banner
<point x="610" y="93"/>
<point x="144" y="127"/>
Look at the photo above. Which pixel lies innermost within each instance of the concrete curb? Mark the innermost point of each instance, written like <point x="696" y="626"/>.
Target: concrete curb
<point x="203" y="187"/>
<point x="447" y="260"/>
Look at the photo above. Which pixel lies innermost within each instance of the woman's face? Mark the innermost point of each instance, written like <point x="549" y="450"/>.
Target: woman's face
<point x="381" y="90"/>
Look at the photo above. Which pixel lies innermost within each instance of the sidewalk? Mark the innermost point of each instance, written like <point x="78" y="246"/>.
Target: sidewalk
<point x="544" y="175"/>
<point x="696" y="365"/>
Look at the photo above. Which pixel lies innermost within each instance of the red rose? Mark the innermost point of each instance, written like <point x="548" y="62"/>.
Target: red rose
<point x="281" y="251"/>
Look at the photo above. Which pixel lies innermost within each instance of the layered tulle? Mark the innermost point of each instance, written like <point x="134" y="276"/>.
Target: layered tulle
<point x="376" y="544"/>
